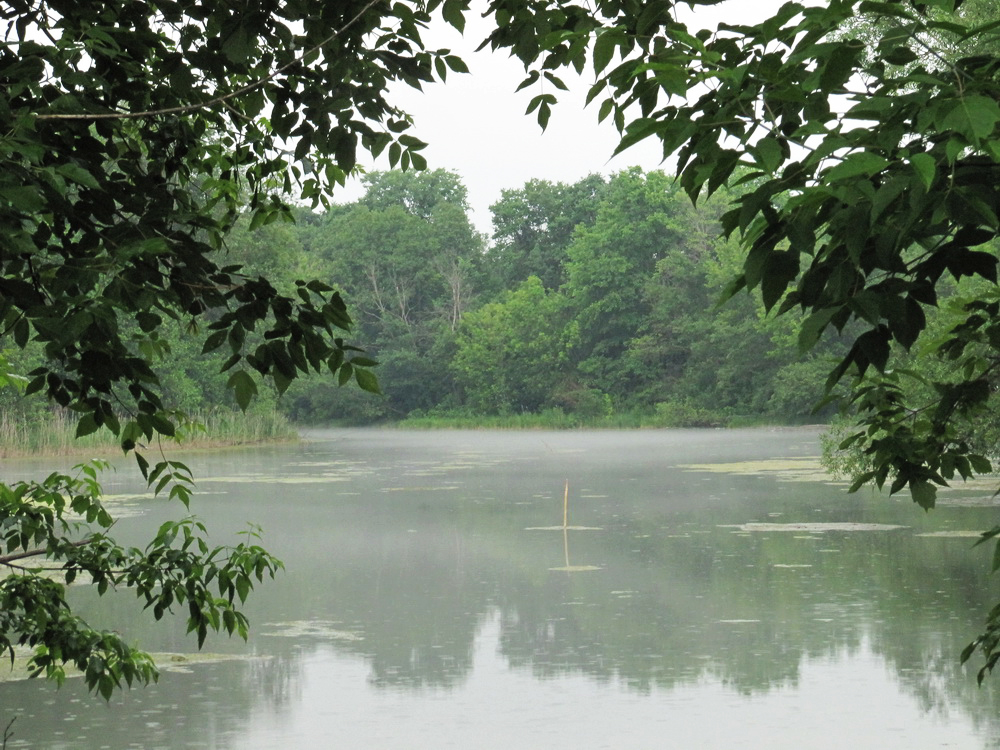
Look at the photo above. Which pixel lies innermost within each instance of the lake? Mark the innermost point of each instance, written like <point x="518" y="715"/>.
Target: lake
<point x="713" y="590"/>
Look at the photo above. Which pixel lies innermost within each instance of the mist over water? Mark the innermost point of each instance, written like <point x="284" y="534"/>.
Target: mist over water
<point x="711" y="591"/>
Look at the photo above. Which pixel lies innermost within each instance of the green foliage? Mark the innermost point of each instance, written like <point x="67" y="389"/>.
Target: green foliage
<point x="510" y="355"/>
<point x="862" y="159"/>
<point x="177" y="567"/>
<point x="534" y="226"/>
<point x="635" y="323"/>
<point x="135" y="138"/>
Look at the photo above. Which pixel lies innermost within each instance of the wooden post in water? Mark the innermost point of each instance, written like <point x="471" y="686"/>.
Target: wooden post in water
<point x="566" y="506"/>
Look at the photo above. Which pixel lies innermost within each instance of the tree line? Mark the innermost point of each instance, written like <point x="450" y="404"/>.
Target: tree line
<point x="590" y="301"/>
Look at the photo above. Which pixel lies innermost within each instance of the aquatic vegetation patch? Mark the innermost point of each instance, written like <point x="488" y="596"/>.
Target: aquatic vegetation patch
<point x="813" y="527"/>
<point x="956" y="534"/>
<point x="165" y="662"/>
<point x="806" y="469"/>
<point x="325" y="629"/>
<point x="564" y="528"/>
<point x="441" y="488"/>
<point x="290" y="479"/>
<point x="988" y="483"/>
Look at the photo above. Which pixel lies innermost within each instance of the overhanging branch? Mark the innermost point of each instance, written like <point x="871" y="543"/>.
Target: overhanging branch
<point x="216" y="100"/>
<point x="7" y="559"/>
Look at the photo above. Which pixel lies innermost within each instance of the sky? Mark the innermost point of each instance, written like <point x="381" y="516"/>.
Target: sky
<point x="475" y="125"/>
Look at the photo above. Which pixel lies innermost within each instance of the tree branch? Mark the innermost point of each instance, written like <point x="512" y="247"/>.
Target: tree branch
<point x="216" y="100"/>
<point x="7" y="559"/>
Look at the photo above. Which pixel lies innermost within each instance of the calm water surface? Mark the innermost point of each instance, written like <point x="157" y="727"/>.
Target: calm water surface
<point x="427" y="603"/>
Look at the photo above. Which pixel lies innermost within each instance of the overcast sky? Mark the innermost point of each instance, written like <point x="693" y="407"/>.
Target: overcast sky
<point x="475" y="124"/>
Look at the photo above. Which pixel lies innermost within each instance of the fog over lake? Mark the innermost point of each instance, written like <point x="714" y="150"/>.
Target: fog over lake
<point x="713" y="590"/>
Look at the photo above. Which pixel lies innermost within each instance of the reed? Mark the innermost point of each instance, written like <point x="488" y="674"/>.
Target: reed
<point x="54" y="434"/>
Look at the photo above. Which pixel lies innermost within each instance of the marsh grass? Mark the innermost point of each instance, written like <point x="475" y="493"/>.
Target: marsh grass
<point x="557" y="419"/>
<point x="54" y="435"/>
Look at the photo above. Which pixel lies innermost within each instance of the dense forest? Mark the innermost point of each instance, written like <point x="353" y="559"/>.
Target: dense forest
<point x="591" y="303"/>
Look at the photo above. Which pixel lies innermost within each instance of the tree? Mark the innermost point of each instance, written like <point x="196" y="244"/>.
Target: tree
<point x="409" y="259"/>
<point x="875" y="161"/>
<point x="608" y="266"/>
<point x="511" y="354"/>
<point x="133" y="137"/>
<point x="534" y="225"/>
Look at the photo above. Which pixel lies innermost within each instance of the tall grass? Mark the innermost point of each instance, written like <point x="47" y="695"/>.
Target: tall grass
<point x="549" y="419"/>
<point x="665" y="416"/>
<point x="54" y="435"/>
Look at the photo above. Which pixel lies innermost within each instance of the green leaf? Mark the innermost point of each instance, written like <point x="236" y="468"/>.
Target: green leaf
<point x="605" y="45"/>
<point x="243" y="386"/>
<point x="813" y="326"/>
<point x="924" y="493"/>
<point x="457" y="64"/>
<point x="367" y="380"/>
<point x="974" y="116"/>
<point x="768" y="154"/>
<point x="901" y="55"/>
<point x="25" y="199"/>
<point x="78" y="174"/>
<point x="345" y="373"/>
<point x="980" y="464"/>
<point x="925" y="167"/>
<point x="453" y="12"/>
<point x="856" y="164"/>
<point x="87" y="425"/>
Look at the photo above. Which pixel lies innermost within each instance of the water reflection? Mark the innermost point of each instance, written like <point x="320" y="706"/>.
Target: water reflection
<point x="419" y="587"/>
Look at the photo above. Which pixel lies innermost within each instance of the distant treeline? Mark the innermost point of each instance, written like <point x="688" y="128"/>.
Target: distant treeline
<point x="591" y="303"/>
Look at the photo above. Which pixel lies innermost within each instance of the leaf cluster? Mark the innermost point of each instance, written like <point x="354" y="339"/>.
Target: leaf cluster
<point x="132" y="138"/>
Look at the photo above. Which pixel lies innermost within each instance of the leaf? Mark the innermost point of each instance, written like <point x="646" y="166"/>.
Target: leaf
<point x="901" y="55"/>
<point x="453" y="12"/>
<point x="925" y="167"/>
<point x="243" y="386"/>
<point x="238" y="44"/>
<point x="604" y="48"/>
<point x="87" y="425"/>
<point x="367" y="380"/>
<point x="345" y="373"/>
<point x="813" y="326"/>
<point x="923" y="493"/>
<point x="980" y="464"/>
<point x="25" y="199"/>
<point x="973" y="116"/>
<point x="781" y="268"/>
<point x="78" y="174"/>
<point x="768" y="154"/>
<point x="855" y="165"/>
<point x="457" y="64"/>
